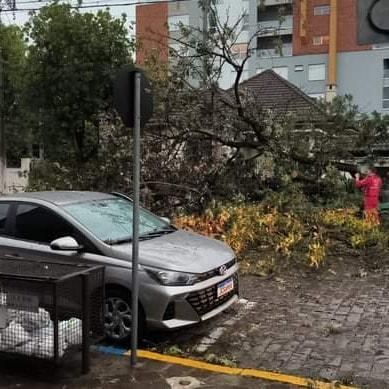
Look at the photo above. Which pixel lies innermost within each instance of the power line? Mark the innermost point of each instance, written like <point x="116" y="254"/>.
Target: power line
<point x="106" y="5"/>
<point x="44" y="2"/>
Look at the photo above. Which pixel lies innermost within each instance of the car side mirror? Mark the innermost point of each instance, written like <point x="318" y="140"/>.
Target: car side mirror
<point x="67" y="243"/>
<point x="166" y="219"/>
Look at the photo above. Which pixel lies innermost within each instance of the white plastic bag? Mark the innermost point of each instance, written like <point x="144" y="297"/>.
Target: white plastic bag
<point x="46" y="347"/>
<point x="29" y="348"/>
<point x="12" y="336"/>
<point x="71" y="331"/>
<point x="44" y="338"/>
<point x="32" y="321"/>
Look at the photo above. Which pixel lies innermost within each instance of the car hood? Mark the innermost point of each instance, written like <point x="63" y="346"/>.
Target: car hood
<point x="179" y="251"/>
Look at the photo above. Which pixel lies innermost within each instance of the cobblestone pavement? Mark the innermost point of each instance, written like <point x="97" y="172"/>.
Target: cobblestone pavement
<point x="332" y="330"/>
<point x="333" y="327"/>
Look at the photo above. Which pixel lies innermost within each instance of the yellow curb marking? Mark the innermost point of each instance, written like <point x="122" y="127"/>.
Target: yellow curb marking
<point x="266" y="375"/>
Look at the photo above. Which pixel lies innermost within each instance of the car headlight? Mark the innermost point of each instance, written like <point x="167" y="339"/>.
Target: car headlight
<point x="172" y="278"/>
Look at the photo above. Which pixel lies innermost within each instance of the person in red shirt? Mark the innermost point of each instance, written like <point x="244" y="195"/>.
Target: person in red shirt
<point x="371" y="186"/>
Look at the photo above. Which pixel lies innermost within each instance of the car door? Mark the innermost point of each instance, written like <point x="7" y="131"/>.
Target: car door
<point x="32" y="227"/>
<point x="6" y="246"/>
<point x="31" y="230"/>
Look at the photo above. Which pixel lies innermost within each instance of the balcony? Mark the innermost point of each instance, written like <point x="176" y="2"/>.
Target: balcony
<point x="286" y="51"/>
<point x="276" y="26"/>
<point x="275" y="2"/>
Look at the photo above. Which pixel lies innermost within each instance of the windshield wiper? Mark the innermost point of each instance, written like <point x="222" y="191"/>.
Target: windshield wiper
<point x="156" y="233"/>
<point x="118" y="241"/>
<point x="147" y="235"/>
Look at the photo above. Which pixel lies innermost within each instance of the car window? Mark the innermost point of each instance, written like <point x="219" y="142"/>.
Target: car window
<point x="4" y="208"/>
<point x="39" y="224"/>
<point x="111" y="219"/>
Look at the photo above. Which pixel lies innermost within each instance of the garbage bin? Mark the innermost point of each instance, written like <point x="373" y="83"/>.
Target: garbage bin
<point x="50" y="309"/>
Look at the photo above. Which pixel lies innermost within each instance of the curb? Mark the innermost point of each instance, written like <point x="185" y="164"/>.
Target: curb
<point x="249" y="373"/>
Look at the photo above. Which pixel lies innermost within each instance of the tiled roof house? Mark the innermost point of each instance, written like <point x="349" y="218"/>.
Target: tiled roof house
<point x="275" y="93"/>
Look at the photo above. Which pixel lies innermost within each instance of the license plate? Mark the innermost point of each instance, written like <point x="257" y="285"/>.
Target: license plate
<point x="225" y="287"/>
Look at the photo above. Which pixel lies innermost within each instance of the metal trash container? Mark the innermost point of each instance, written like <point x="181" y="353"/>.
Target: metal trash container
<point x="49" y="309"/>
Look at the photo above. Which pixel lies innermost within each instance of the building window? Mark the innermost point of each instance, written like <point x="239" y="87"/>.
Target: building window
<point x="320" y="40"/>
<point x="385" y="100"/>
<point x="176" y="21"/>
<point x="298" y="68"/>
<point x="274" y="12"/>
<point x="281" y="71"/>
<point x="270" y="46"/>
<point x="317" y="72"/>
<point x="321" y="10"/>
<point x="386" y="68"/>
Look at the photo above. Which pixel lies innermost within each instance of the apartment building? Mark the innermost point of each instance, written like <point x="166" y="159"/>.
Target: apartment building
<point x="324" y="47"/>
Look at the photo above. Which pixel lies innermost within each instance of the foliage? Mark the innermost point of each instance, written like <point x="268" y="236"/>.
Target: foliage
<point x="359" y="233"/>
<point x="72" y="59"/>
<point x="224" y="360"/>
<point x="202" y="144"/>
<point x="246" y="226"/>
<point x="285" y="235"/>
<point x="14" y="61"/>
<point x="110" y="170"/>
<point x="192" y="109"/>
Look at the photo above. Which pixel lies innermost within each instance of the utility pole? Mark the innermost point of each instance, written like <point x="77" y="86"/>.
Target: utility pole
<point x="332" y="52"/>
<point x="2" y="129"/>
<point x="205" y="8"/>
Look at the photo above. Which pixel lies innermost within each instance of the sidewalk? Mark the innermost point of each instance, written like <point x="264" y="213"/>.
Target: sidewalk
<point x="114" y="372"/>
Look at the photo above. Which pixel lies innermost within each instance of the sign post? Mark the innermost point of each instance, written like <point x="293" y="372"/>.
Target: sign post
<point x="135" y="220"/>
<point x="134" y="103"/>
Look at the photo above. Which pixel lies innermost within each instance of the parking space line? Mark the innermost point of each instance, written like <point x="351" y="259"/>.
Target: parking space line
<point x="205" y="343"/>
<point x="249" y="373"/>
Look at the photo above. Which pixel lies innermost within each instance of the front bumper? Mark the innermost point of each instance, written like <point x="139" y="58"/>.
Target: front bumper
<point x="175" y="307"/>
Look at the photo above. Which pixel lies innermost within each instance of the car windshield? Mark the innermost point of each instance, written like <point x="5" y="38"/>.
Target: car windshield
<point x="111" y="219"/>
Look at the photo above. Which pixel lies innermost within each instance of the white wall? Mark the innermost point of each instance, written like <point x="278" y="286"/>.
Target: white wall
<point x="16" y="179"/>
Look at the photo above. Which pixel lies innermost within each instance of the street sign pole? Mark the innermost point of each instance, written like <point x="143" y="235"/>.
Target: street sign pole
<point x="135" y="219"/>
<point x="133" y="101"/>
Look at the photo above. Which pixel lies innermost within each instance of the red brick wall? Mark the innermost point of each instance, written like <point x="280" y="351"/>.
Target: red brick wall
<point x="319" y="26"/>
<point x="348" y="21"/>
<point x="152" y="32"/>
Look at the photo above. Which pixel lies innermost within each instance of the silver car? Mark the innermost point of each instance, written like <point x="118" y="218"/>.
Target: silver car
<point x="184" y="278"/>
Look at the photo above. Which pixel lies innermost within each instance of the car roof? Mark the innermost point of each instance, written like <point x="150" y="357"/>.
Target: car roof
<point x="60" y="197"/>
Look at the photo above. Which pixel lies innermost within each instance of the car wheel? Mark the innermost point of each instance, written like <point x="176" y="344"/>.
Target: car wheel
<point x="118" y="316"/>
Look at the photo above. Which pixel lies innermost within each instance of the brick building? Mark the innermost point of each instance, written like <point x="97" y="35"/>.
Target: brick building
<point x="326" y="46"/>
<point x="152" y="32"/>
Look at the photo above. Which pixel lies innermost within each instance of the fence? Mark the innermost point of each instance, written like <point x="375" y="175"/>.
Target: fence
<point x="50" y="309"/>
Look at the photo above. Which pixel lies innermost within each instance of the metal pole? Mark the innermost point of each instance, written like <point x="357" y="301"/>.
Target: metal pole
<point x="56" y="323"/>
<point x="135" y="221"/>
<point x="205" y="37"/>
<point x="85" y="323"/>
<point x="332" y="52"/>
<point x="2" y="131"/>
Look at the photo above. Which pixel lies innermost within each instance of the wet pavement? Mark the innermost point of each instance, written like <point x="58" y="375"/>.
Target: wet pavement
<point x="115" y="372"/>
<point x="328" y="326"/>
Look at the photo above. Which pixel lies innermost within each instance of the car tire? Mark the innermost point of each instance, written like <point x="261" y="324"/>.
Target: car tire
<point x="118" y="317"/>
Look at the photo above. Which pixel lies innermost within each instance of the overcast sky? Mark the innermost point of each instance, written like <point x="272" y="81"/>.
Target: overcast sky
<point x="20" y="17"/>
